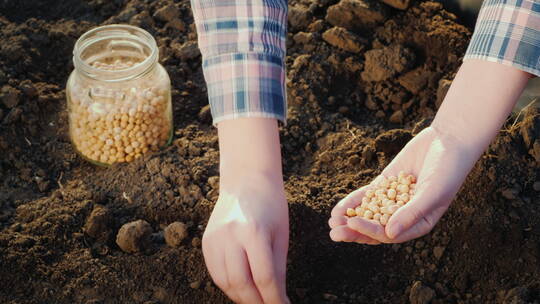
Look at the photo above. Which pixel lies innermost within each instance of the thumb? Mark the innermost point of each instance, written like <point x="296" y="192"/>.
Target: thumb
<point x="410" y="216"/>
<point x="418" y="216"/>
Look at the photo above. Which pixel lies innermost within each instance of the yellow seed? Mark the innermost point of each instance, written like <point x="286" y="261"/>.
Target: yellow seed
<point x="365" y="199"/>
<point x="376" y="216"/>
<point x="351" y="212"/>
<point x="405" y="197"/>
<point x="384" y="219"/>
<point x="370" y="193"/>
<point x="406" y="181"/>
<point x="373" y="208"/>
<point x="391" y="194"/>
<point x="359" y="210"/>
<point x="392" y="209"/>
<point x="400" y="204"/>
<point x="103" y="158"/>
<point x="392" y="179"/>
<point x="403" y="188"/>
<point x="384" y="183"/>
<point x="368" y="214"/>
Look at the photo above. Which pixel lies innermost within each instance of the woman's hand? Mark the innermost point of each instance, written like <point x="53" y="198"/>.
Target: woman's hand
<point x="246" y="240"/>
<point x="478" y="102"/>
<point x="440" y="164"/>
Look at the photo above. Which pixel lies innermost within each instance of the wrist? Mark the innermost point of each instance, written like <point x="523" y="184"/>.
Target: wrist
<point x="249" y="153"/>
<point x="250" y="179"/>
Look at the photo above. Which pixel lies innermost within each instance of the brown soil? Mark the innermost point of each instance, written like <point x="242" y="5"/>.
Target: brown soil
<point x="59" y="216"/>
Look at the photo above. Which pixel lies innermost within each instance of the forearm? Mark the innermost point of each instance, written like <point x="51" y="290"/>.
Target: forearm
<point x="243" y="49"/>
<point x="249" y="148"/>
<point x="478" y="102"/>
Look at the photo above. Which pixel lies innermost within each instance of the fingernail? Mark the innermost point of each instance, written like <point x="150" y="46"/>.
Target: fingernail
<point x="395" y="230"/>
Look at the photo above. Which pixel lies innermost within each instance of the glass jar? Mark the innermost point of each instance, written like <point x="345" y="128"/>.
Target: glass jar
<point x="118" y="96"/>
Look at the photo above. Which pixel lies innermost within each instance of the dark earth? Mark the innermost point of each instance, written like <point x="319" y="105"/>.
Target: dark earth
<point x="363" y="78"/>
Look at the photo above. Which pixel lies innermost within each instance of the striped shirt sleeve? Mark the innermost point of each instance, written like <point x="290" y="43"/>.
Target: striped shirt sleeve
<point x="242" y="43"/>
<point x="508" y="32"/>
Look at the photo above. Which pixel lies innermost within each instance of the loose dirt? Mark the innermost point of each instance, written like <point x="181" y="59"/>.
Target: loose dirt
<point x="353" y="104"/>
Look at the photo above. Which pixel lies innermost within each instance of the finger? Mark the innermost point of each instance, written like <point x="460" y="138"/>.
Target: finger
<point x="335" y="221"/>
<point x="346" y="234"/>
<point x="369" y="228"/>
<point x="215" y="262"/>
<point x="416" y="231"/>
<point x="352" y="200"/>
<point x="416" y="218"/>
<point x="261" y="261"/>
<point x="241" y="286"/>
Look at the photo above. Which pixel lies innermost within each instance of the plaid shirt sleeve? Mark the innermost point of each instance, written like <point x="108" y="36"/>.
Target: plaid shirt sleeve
<point x="508" y="32"/>
<point x="242" y="43"/>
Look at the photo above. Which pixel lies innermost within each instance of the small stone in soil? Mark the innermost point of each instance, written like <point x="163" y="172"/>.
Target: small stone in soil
<point x="134" y="236"/>
<point x="175" y="233"/>
<point x="98" y="223"/>
<point x="9" y="96"/>
<point x="421" y="294"/>
<point x="438" y="252"/>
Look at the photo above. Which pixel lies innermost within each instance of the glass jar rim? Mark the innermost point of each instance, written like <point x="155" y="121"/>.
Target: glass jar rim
<point x="110" y="32"/>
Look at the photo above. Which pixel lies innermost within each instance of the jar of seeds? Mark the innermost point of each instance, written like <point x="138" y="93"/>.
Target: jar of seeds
<point x="119" y="96"/>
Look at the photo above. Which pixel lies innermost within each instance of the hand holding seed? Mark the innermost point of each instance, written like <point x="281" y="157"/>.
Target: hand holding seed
<point x="440" y="165"/>
<point x="389" y="195"/>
